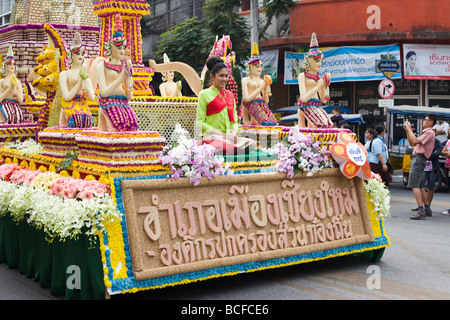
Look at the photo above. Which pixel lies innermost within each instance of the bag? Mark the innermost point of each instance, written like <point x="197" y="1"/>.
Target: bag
<point x="447" y="163"/>
<point x="390" y="167"/>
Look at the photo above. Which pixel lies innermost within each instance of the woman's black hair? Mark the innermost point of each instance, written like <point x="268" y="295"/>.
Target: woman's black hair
<point x="214" y="64"/>
<point x="410" y="54"/>
<point x="379" y="129"/>
<point x="374" y="134"/>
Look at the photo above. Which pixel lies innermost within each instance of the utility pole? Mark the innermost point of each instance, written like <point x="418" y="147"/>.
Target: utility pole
<point x="254" y="9"/>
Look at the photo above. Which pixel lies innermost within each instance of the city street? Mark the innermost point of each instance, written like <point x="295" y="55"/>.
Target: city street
<point x="415" y="266"/>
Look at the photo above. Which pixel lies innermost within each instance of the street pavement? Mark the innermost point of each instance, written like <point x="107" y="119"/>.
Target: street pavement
<point x="416" y="266"/>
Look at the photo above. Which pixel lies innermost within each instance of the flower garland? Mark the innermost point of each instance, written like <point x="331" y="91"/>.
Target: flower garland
<point x="379" y="196"/>
<point x="188" y="158"/>
<point x="299" y="152"/>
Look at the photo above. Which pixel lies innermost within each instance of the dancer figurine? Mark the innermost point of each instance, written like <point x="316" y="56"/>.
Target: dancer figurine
<point x="169" y="88"/>
<point x="256" y="93"/>
<point x="11" y="92"/>
<point x="314" y="91"/>
<point x="115" y="114"/>
<point x="76" y="88"/>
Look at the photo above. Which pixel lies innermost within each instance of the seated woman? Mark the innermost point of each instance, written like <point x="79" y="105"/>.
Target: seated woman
<point x="76" y="89"/>
<point x="254" y="93"/>
<point x="217" y="117"/>
<point x="11" y="92"/>
<point x="115" y="113"/>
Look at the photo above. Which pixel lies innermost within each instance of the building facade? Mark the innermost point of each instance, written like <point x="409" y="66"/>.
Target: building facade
<point x="26" y="36"/>
<point x="165" y="14"/>
<point x="368" y="23"/>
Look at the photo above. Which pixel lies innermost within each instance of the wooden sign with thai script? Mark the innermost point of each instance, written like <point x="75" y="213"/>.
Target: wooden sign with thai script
<point x="175" y="228"/>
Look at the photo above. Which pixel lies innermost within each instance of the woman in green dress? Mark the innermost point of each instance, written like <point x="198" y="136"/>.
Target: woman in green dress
<point x="217" y="118"/>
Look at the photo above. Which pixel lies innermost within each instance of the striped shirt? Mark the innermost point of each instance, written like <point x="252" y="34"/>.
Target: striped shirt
<point x="426" y="144"/>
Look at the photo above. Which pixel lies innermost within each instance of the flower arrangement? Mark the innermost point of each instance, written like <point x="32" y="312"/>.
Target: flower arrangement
<point x="71" y="188"/>
<point x="299" y="152"/>
<point x="61" y="206"/>
<point x="56" y="184"/>
<point x="379" y="195"/>
<point x="186" y="157"/>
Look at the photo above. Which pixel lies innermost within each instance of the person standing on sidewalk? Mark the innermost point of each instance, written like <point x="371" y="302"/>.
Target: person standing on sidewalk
<point x="430" y="173"/>
<point x="446" y="153"/>
<point x="423" y="148"/>
<point x="378" y="154"/>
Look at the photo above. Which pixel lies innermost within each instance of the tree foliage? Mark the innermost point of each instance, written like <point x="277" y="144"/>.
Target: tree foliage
<point x="275" y="9"/>
<point x="186" y="42"/>
<point x="191" y="41"/>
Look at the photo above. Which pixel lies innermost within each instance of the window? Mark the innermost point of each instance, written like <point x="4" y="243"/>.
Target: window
<point x="438" y="93"/>
<point x="5" y="12"/>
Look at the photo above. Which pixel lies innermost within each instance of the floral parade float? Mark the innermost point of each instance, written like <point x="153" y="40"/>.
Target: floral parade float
<point x="139" y="210"/>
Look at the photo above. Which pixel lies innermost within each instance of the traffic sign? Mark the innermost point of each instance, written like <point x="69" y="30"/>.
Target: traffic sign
<point x="386" y="89"/>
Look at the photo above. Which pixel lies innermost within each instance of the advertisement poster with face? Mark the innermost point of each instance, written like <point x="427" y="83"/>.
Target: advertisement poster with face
<point x="423" y="61"/>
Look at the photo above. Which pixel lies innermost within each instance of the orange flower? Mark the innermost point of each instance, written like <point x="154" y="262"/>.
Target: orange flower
<point x="351" y="157"/>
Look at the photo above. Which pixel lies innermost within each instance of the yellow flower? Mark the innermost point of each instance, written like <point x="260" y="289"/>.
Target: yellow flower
<point x="103" y="179"/>
<point x="52" y="168"/>
<point x="108" y="283"/>
<point x="32" y="165"/>
<point x="43" y="169"/>
<point x="90" y="177"/>
<point x="76" y="174"/>
<point x="64" y="173"/>
<point x="8" y="161"/>
<point x="24" y="164"/>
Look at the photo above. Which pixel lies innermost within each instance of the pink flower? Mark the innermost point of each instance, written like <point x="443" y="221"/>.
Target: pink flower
<point x="6" y="169"/>
<point x="33" y="174"/>
<point x="97" y="190"/>
<point x="375" y="176"/>
<point x="85" y="195"/>
<point x="56" y="189"/>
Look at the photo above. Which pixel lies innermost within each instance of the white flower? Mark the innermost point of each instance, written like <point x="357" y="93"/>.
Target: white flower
<point x="28" y="147"/>
<point x="58" y="217"/>
<point x="379" y="196"/>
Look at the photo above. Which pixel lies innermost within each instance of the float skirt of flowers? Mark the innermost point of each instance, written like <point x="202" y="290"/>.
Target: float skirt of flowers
<point x="102" y="248"/>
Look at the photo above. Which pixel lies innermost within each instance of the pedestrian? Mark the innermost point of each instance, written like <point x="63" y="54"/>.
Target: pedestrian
<point x="441" y="130"/>
<point x="378" y="155"/>
<point x="423" y="148"/>
<point x="370" y="134"/>
<point x="446" y="153"/>
<point x="337" y="117"/>
<point x="429" y="175"/>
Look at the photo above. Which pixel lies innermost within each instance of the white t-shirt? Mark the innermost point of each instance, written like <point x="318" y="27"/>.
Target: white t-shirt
<point x="443" y="126"/>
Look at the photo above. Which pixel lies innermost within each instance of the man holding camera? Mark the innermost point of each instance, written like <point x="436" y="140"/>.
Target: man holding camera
<point x="423" y="148"/>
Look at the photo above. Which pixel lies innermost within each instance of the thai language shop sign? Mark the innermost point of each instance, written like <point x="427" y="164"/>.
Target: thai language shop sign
<point x="350" y="63"/>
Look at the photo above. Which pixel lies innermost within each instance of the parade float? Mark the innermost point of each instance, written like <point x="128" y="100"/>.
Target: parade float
<point x="91" y="213"/>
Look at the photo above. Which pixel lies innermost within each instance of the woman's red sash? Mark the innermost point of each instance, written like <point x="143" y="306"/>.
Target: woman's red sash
<point x="225" y="99"/>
